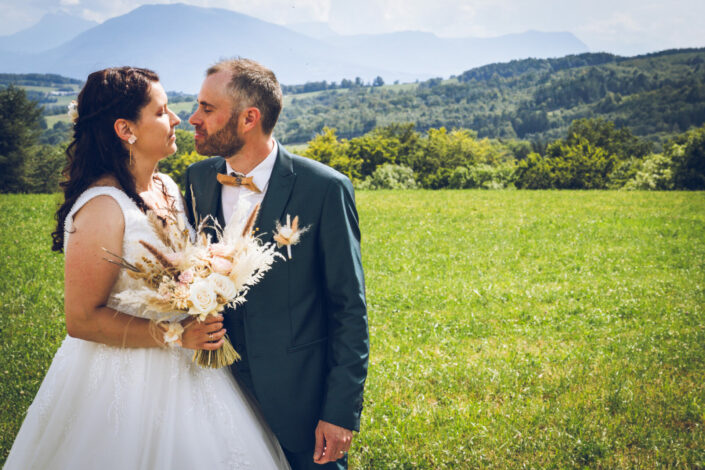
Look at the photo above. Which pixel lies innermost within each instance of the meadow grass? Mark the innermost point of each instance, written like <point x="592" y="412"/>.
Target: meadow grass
<point x="182" y="106"/>
<point x="52" y="119"/>
<point x="509" y="329"/>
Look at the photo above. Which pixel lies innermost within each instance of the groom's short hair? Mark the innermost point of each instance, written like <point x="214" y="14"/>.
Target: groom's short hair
<point x="253" y="84"/>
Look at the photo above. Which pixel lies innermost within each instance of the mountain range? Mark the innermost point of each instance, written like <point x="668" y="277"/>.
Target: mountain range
<point x="52" y="30"/>
<point x="180" y="41"/>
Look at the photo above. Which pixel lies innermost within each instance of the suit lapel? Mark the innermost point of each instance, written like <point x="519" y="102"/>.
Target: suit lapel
<point x="214" y="203"/>
<point x="208" y="198"/>
<point x="278" y="191"/>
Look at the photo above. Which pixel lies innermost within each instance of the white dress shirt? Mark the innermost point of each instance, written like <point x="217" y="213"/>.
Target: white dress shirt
<point x="231" y="196"/>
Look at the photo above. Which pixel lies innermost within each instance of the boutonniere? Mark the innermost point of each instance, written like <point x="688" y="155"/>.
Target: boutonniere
<point x="289" y="234"/>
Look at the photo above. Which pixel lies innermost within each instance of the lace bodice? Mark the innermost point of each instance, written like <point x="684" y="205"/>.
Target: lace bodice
<point x="137" y="228"/>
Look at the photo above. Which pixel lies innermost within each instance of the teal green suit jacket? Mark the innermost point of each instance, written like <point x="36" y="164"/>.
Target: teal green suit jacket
<point x="306" y="322"/>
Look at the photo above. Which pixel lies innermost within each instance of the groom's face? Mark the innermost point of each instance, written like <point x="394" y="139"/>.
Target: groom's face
<point x="216" y="118"/>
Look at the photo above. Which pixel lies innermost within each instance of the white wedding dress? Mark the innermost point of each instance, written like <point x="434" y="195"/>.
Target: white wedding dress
<point x="105" y="407"/>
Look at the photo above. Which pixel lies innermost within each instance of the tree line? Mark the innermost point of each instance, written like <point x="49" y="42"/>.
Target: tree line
<point x="37" y="79"/>
<point x="593" y="154"/>
<point x="322" y="85"/>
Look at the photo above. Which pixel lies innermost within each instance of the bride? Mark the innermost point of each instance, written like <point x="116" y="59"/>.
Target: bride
<point x="115" y="397"/>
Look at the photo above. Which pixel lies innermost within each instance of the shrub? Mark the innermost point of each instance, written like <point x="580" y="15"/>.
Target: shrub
<point x="43" y="168"/>
<point x="184" y="142"/>
<point x="390" y="176"/>
<point x="326" y="148"/>
<point x="482" y="176"/>
<point x="459" y="178"/>
<point x="624" y="172"/>
<point x="656" y="172"/>
<point x="440" y="153"/>
<point x="175" y="166"/>
<point x="534" y="172"/>
<point x="688" y="154"/>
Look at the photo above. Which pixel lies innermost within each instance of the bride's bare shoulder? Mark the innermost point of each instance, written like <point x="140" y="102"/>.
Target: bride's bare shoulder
<point x="102" y="209"/>
<point x="97" y="225"/>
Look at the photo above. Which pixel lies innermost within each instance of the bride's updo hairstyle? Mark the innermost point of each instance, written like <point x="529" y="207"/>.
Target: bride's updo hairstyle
<point x="96" y="151"/>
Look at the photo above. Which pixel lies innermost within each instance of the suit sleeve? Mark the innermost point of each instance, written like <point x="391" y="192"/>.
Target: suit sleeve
<point x="346" y="307"/>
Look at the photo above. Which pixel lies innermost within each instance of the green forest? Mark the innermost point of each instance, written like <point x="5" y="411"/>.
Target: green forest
<point x="589" y="121"/>
<point x="656" y="96"/>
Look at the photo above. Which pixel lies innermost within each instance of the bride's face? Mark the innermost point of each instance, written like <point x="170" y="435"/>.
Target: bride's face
<point x="155" y="127"/>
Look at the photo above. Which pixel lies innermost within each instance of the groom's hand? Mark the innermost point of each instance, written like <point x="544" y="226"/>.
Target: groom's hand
<point x="332" y="442"/>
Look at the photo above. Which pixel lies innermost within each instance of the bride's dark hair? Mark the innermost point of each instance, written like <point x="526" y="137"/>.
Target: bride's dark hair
<point x="96" y="151"/>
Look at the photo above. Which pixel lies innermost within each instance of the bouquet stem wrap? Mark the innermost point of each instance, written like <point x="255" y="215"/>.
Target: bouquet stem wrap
<point x="221" y="357"/>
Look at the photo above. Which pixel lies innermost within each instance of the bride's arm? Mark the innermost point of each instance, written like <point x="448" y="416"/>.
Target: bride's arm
<point x="89" y="279"/>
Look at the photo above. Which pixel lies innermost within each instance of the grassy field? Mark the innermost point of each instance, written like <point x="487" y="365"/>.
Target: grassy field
<point x="54" y="118"/>
<point x="182" y="106"/>
<point x="509" y="329"/>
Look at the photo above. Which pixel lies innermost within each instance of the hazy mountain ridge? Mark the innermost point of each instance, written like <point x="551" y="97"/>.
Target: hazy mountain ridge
<point x="53" y="29"/>
<point x="184" y="40"/>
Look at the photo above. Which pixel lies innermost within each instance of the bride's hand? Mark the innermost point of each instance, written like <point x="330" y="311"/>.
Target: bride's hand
<point x="206" y="335"/>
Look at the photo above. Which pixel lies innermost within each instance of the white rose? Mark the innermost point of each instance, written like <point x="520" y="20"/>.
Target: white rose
<point x="203" y="298"/>
<point x="223" y="286"/>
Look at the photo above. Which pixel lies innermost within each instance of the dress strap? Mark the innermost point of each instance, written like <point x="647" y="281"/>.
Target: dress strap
<point x="126" y="204"/>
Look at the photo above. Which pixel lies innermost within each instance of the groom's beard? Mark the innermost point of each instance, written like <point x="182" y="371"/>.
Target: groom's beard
<point x="225" y="142"/>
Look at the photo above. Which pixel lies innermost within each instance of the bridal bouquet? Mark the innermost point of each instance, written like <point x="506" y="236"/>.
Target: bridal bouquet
<point x="192" y="276"/>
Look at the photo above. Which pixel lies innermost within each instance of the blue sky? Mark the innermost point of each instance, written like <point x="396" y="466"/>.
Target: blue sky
<point x="619" y="26"/>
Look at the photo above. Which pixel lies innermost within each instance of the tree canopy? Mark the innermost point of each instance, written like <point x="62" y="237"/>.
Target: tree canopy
<point x="20" y="125"/>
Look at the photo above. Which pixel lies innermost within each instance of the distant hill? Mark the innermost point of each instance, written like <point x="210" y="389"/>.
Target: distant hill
<point x="181" y="41"/>
<point x="52" y="30"/>
<point x="656" y="95"/>
<point x="37" y="80"/>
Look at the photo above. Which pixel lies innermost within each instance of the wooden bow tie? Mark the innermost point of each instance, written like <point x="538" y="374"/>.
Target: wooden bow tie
<point x="238" y="180"/>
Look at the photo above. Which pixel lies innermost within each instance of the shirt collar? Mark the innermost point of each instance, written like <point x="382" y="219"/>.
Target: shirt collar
<point x="262" y="172"/>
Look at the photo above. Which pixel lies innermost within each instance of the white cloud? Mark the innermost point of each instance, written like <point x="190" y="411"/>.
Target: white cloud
<point x="618" y="22"/>
<point x="633" y="27"/>
<point x="443" y="17"/>
<point x="92" y="15"/>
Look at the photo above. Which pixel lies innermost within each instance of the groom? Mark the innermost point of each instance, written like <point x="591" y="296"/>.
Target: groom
<point x="302" y="333"/>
